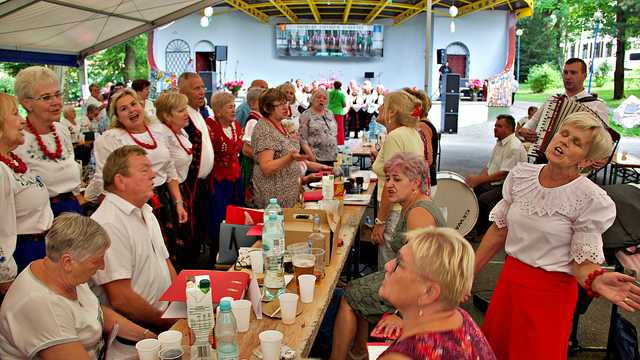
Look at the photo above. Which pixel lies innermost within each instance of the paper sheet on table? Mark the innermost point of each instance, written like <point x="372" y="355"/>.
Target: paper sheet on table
<point x="357" y="199"/>
<point x="255" y="296"/>
<point x="176" y="310"/>
<point x="376" y="349"/>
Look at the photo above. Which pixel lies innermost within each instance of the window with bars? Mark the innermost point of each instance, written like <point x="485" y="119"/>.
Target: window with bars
<point x="177" y="56"/>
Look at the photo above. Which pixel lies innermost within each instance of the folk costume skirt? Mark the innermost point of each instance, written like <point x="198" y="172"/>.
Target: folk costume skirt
<point x="530" y="313"/>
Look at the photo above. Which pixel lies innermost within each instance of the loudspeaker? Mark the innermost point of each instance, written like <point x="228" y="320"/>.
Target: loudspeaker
<point x="441" y="54"/>
<point x="452" y="84"/>
<point x="449" y="124"/>
<point x="221" y="53"/>
<point x="369" y="75"/>
<point x="210" y="83"/>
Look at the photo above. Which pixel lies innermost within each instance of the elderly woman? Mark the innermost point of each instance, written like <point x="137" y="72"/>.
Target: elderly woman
<point x="397" y="114"/>
<point x="337" y="105"/>
<point x="226" y="136"/>
<point x="50" y="312"/>
<point x="278" y="162"/>
<point x="426" y="282"/>
<point x="76" y="127"/>
<point x="319" y="130"/>
<point x="48" y="147"/>
<point x="292" y="120"/>
<point x="171" y="109"/>
<point x="24" y="198"/>
<point x="550" y="222"/>
<point x="130" y="126"/>
<point x="407" y="183"/>
<point x="142" y="87"/>
<point x="428" y="134"/>
<point x="246" y="160"/>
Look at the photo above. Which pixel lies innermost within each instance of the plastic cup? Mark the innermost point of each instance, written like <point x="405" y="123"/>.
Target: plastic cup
<point x="307" y="285"/>
<point x="270" y="343"/>
<point x="318" y="270"/>
<point x="170" y="339"/>
<point x="242" y="312"/>
<point x="288" y="307"/>
<point x="171" y="354"/>
<point x="257" y="261"/>
<point x="148" y="349"/>
<point x="299" y="248"/>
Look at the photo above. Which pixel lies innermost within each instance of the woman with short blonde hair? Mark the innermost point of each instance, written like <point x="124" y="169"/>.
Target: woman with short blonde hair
<point x="550" y="223"/>
<point x="397" y="114"/>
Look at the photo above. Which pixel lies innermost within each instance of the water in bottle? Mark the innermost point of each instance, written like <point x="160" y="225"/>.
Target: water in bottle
<point x="226" y="333"/>
<point x="273" y="208"/>
<point x="273" y="250"/>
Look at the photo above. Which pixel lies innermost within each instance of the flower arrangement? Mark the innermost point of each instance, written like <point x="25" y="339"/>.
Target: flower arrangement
<point x="234" y="86"/>
<point x="474" y="85"/>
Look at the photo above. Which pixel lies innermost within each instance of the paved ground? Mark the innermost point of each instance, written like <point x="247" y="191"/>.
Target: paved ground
<point x="467" y="152"/>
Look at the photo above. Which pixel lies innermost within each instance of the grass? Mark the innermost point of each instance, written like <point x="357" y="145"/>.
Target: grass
<point x="605" y="93"/>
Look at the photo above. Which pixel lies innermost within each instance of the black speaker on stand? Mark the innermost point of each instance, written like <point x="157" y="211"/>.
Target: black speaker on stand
<point x="450" y="103"/>
<point x="369" y="75"/>
<point x="221" y="53"/>
<point x="441" y="56"/>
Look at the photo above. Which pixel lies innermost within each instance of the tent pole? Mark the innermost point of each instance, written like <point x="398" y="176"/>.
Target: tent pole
<point x="428" y="57"/>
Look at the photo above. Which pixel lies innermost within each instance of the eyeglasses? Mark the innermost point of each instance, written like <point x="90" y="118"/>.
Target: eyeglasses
<point x="396" y="264"/>
<point x="48" y="97"/>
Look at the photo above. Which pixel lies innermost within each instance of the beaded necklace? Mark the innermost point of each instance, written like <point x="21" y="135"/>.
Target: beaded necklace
<point x="14" y="163"/>
<point x="188" y="151"/>
<point x="151" y="146"/>
<point x="278" y="127"/>
<point x="41" y="144"/>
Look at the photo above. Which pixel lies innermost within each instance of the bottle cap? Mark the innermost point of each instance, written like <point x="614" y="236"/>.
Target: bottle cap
<point x="273" y="201"/>
<point x="204" y="285"/>
<point x="225" y="305"/>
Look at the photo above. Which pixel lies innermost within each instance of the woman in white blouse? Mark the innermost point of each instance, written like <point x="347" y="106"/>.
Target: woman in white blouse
<point x="48" y="147"/>
<point x="130" y="126"/>
<point x="171" y="109"/>
<point x="24" y="198"/>
<point x="50" y="312"/>
<point x="550" y="223"/>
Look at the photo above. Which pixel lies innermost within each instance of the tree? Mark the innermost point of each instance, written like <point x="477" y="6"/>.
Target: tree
<point x="534" y="43"/>
<point x="123" y="62"/>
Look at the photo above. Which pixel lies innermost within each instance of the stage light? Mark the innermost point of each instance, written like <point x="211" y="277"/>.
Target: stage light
<point x="453" y="11"/>
<point x="208" y="11"/>
<point x="204" y="21"/>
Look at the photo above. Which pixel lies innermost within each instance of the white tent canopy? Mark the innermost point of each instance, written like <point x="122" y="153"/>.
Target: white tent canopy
<point x="66" y="31"/>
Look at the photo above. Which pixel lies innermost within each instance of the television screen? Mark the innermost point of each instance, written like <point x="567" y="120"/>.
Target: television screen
<point x="323" y="40"/>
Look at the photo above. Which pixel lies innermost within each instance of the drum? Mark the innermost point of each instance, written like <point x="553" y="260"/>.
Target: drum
<point x="458" y="202"/>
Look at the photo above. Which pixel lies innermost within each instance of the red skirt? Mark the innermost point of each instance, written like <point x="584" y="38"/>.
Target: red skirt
<point x="530" y="313"/>
<point x="340" y="123"/>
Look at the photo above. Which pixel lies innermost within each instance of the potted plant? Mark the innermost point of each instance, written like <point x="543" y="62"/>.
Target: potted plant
<point x="475" y="85"/>
<point x="234" y="86"/>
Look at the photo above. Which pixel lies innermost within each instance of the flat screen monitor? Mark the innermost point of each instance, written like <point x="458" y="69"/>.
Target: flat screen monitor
<point x="329" y="40"/>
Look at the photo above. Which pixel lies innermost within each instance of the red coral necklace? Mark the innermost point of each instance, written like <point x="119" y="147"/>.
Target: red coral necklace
<point x="151" y="146"/>
<point x="41" y="144"/>
<point x="14" y="163"/>
<point x="188" y="151"/>
<point x="278" y="127"/>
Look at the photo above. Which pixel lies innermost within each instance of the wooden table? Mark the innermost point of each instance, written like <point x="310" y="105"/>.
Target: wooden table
<point x="301" y="335"/>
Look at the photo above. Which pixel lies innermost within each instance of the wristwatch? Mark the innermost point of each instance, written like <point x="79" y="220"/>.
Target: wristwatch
<point x="380" y="222"/>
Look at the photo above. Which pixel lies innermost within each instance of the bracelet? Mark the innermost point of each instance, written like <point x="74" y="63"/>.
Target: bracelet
<point x="380" y="222"/>
<point x="179" y="202"/>
<point x="144" y="334"/>
<point x="587" y="283"/>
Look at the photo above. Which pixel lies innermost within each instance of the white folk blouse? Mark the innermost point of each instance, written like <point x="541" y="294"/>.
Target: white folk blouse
<point x="551" y="227"/>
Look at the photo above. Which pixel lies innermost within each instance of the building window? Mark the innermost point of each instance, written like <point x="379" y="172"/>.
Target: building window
<point x="177" y="56"/>
<point x="609" y="52"/>
<point x="585" y="51"/>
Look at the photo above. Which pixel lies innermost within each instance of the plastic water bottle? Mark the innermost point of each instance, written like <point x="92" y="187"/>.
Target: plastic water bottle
<point x="226" y="333"/>
<point x="273" y="250"/>
<point x="372" y="130"/>
<point x="273" y="208"/>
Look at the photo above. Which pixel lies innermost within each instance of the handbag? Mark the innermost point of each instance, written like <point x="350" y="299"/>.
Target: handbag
<point x="232" y="238"/>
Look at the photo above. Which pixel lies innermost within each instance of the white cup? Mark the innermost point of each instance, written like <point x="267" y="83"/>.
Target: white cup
<point x="257" y="261"/>
<point x="288" y="307"/>
<point x="307" y="285"/>
<point x="242" y="312"/>
<point x="270" y="343"/>
<point x="148" y="349"/>
<point x="170" y="339"/>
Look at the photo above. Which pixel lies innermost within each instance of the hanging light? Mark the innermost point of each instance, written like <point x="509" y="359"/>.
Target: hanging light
<point x="208" y="11"/>
<point x="204" y="21"/>
<point x="453" y="11"/>
<point x="452" y="26"/>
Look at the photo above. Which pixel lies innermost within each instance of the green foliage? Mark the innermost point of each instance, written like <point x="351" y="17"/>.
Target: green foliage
<point x="534" y="43"/>
<point x="544" y="76"/>
<point x="6" y="83"/>
<point x="12" y="69"/>
<point x="109" y="65"/>
<point x="602" y="74"/>
<point x="71" y="85"/>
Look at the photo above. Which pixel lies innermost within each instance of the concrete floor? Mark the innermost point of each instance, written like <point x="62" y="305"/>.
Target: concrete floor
<point x="466" y="153"/>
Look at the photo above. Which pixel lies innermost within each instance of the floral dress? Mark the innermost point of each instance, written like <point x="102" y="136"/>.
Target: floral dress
<point x="320" y="132"/>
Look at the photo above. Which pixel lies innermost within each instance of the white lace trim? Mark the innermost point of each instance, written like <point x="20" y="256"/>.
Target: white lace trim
<point x="568" y="200"/>
<point x="587" y="247"/>
<point x="499" y="214"/>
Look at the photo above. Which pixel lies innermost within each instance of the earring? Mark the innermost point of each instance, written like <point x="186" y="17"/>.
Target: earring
<point x="420" y="313"/>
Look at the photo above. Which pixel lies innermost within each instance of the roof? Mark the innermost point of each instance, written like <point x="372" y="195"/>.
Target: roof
<point x="63" y="31"/>
<point x="31" y="30"/>
<point x="367" y="11"/>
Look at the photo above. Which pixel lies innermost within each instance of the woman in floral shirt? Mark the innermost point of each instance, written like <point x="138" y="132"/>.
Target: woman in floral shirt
<point x="318" y="130"/>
